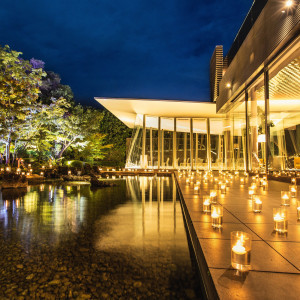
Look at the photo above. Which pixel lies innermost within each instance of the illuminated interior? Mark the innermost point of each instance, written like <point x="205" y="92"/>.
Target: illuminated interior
<point x="185" y="134"/>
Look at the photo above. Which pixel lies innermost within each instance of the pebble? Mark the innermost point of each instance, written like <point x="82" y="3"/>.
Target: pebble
<point x="29" y="277"/>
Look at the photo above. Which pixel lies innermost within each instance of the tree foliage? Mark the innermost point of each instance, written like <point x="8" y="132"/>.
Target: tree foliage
<point x="19" y="90"/>
<point x="39" y="118"/>
<point x="116" y="134"/>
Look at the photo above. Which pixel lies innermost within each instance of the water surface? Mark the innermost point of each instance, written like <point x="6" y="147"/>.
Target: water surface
<point x="71" y="241"/>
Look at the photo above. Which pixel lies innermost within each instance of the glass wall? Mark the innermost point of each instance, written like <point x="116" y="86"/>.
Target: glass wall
<point x="217" y="150"/>
<point x="238" y="135"/>
<point x="257" y="132"/>
<point x="200" y="144"/>
<point x="152" y="141"/>
<point x="135" y="150"/>
<point x="167" y="128"/>
<point x="183" y="142"/>
<point x="284" y="116"/>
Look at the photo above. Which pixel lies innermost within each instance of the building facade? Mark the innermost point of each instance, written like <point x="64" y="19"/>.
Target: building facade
<point x="254" y="123"/>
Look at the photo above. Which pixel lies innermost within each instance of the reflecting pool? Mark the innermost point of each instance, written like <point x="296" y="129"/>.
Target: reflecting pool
<point x="72" y="241"/>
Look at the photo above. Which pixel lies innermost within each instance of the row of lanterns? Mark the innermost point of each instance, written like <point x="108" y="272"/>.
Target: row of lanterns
<point x="241" y="241"/>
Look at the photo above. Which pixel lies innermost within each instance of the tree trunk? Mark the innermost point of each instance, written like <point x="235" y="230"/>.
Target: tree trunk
<point x="8" y="150"/>
<point x="64" y="147"/>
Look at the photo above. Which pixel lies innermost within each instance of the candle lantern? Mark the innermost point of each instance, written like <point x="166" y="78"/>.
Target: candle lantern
<point x="251" y="193"/>
<point x="240" y="250"/>
<point x="265" y="185"/>
<point x="216" y="215"/>
<point x="187" y="181"/>
<point x="223" y="188"/>
<point x="298" y="210"/>
<point x="69" y="172"/>
<point x="256" y="204"/>
<point x="242" y="181"/>
<point x="206" y="204"/>
<point x="285" y="198"/>
<point x="294" y="180"/>
<point x="213" y="196"/>
<point x="280" y="219"/>
<point x="293" y="191"/>
<point x="196" y="189"/>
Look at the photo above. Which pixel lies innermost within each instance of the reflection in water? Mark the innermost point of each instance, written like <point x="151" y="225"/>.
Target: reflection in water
<point x="71" y="241"/>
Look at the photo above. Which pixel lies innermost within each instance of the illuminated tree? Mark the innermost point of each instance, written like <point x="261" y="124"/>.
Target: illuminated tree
<point x="19" y="91"/>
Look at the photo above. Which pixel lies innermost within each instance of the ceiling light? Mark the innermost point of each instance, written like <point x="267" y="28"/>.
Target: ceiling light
<point x="289" y="3"/>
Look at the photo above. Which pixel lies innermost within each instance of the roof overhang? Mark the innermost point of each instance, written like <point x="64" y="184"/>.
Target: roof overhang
<point x="127" y="109"/>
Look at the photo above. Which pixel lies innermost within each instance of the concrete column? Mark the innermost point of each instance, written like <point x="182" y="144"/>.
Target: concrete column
<point x="184" y="147"/>
<point x="246" y="150"/>
<point x="151" y="148"/>
<point x="159" y="144"/>
<point x="267" y="129"/>
<point x="174" y="145"/>
<point x="162" y="149"/>
<point x="208" y="144"/>
<point x="196" y="151"/>
<point x="191" y="144"/>
<point x="144" y="160"/>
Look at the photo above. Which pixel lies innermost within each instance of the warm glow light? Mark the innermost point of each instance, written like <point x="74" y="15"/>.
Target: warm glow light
<point x="289" y="3"/>
<point x="239" y="248"/>
<point x="261" y="138"/>
<point x="228" y="85"/>
<point x="278" y="217"/>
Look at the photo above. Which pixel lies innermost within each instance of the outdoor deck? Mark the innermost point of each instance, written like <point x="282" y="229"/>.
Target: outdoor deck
<point x="275" y="258"/>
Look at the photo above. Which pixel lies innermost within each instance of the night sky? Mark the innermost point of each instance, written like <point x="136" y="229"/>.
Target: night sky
<point x="124" y="48"/>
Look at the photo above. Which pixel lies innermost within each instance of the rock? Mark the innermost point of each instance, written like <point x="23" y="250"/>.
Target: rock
<point x="84" y="296"/>
<point x="29" y="277"/>
<point x="137" y="284"/>
<point x="104" y="295"/>
<point x="54" y="282"/>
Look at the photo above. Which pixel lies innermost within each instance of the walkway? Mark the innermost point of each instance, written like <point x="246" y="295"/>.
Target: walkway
<point x="275" y="259"/>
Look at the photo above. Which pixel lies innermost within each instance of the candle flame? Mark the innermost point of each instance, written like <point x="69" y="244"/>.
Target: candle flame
<point x="215" y="214"/>
<point x="238" y="247"/>
<point x="206" y="202"/>
<point x="278" y="217"/>
<point x="258" y="201"/>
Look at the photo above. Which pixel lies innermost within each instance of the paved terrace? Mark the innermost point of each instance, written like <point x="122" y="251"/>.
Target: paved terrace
<point x="275" y="258"/>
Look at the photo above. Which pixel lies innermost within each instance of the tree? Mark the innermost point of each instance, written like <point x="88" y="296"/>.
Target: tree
<point x="52" y="88"/>
<point x="116" y="134"/>
<point x="74" y="128"/>
<point x="95" y="150"/>
<point x="19" y="90"/>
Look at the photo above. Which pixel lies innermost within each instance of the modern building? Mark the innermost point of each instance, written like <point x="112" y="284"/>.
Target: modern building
<point x="254" y="123"/>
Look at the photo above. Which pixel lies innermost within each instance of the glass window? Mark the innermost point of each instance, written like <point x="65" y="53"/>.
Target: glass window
<point x="284" y="117"/>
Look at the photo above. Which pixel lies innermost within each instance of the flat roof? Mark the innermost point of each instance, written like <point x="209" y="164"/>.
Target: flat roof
<point x="126" y="109"/>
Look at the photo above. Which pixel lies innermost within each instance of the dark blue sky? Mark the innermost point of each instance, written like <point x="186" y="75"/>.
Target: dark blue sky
<point x="124" y="48"/>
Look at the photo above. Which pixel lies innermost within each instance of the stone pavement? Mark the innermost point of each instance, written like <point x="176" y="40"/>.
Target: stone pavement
<point x="275" y="258"/>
